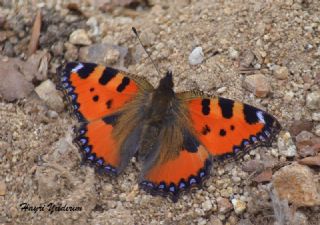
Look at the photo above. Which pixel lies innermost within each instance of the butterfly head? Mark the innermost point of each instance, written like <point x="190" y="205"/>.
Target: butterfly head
<point x="166" y="83"/>
<point x="162" y="97"/>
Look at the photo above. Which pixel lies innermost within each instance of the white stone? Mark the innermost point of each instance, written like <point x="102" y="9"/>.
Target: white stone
<point x="316" y="116"/>
<point x="80" y="37"/>
<point x="48" y="93"/>
<point x="233" y="54"/>
<point x="196" y="56"/>
<point x="94" y="28"/>
<point x="112" y="56"/>
<point x="286" y="145"/>
<point x="313" y="100"/>
<point x="202" y="221"/>
<point x="238" y="205"/>
<point x="221" y="90"/>
<point x="207" y="205"/>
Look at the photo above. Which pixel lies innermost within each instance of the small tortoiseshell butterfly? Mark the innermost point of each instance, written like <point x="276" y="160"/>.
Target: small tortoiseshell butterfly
<point x="175" y="135"/>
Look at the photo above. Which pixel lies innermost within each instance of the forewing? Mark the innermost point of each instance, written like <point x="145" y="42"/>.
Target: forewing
<point x="95" y="91"/>
<point x="229" y="128"/>
<point x="102" y="98"/>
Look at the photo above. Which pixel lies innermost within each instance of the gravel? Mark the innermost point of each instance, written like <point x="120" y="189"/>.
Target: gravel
<point x="39" y="163"/>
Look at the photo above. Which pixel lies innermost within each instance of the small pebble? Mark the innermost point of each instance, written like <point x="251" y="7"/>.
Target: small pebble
<point x="221" y="90"/>
<point x="311" y="161"/>
<point x="307" y="151"/>
<point x="245" y="222"/>
<point x="317" y="130"/>
<point x="236" y="179"/>
<point x="48" y="93"/>
<point x="202" y="221"/>
<point x="296" y="184"/>
<point x="304" y="138"/>
<point x="233" y="220"/>
<point x="258" y="84"/>
<point x="148" y="38"/>
<point x="299" y="125"/>
<point x="14" y="85"/>
<point x="288" y="96"/>
<point x="286" y="145"/>
<point x="265" y="176"/>
<point x="246" y="58"/>
<point x="112" y="56"/>
<point x="80" y="37"/>
<point x="71" y="52"/>
<point x="316" y="116"/>
<point x="299" y="218"/>
<point x="94" y="28"/>
<point x="57" y="49"/>
<point x="252" y="165"/>
<point x="313" y="100"/>
<point x="196" y="56"/>
<point x="214" y="220"/>
<point x="2" y="188"/>
<point x="238" y="205"/>
<point x="108" y="188"/>
<point x="233" y="54"/>
<point x="224" y="205"/>
<point x="281" y="72"/>
<point x="52" y="114"/>
<point x="207" y="205"/>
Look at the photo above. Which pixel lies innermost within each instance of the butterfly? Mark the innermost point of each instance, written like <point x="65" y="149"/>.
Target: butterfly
<point x="176" y="136"/>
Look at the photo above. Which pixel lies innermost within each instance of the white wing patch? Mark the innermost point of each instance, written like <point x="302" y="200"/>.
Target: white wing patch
<point x="261" y="117"/>
<point x="77" y="68"/>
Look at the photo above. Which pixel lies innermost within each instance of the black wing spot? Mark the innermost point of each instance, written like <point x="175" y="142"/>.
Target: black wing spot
<point x="125" y="82"/>
<point x="223" y="132"/>
<point x="70" y="66"/>
<point x="190" y="143"/>
<point x="268" y="119"/>
<point x="95" y="98"/>
<point x="107" y="75"/>
<point x="226" y="106"/>
<point x="250" y="114"/>
<point x="86" y="70"/>
<point x="232" y="127"/>
<point x="109" y="103"/>
<point x="205" y="106"/>
<point x="205" y="130"/>
<point x="91" y="89"/>
<point x="111" y="120"/>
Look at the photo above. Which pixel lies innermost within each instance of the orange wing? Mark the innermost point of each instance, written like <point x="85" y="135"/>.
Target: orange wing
<point x="97" y="95"/>
<point x="175" y="175"/>
<point x="229" y="128"/>
<point x="95" y="90"/>
<point x="97" y="144"/>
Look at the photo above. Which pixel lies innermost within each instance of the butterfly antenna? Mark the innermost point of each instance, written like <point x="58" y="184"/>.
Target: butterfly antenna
<point x="144" y="48"/>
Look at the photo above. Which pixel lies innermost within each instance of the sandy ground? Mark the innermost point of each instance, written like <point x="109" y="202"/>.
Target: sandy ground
<point x="40" y="165"/>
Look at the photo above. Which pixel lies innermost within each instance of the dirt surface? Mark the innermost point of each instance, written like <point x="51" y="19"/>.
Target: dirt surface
<point x="241" y="40"/>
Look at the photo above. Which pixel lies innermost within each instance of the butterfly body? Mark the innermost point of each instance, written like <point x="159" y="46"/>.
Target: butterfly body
<point x="159" y="113"/>
<point x="176" y="136"/>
